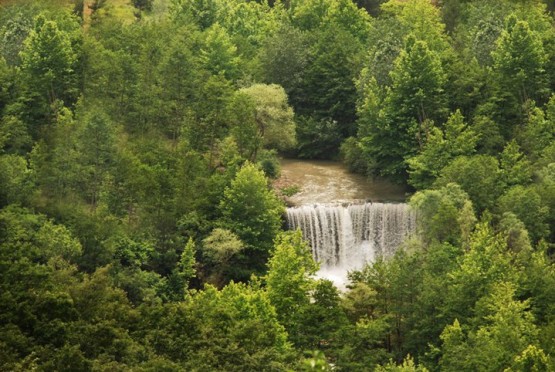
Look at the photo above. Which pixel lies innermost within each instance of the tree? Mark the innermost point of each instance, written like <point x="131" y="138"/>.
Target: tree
<point x="48" y="61"/>
<point x="218" y="249"/>
<point x="445" y="214"/>
<point x="322" y="320"/>
<point x="147" y="106"/>
<point x="381" y="58"/>
<point x="417" y="87"/>
<point x="111" y="69"/>
<point x="414" y="100"/>
<point x="490" y="139"/>
<point x="408" y="365"/>
<point x="289" y="280"/>
<point x="180" y="75"/>
<point x="203" y="12"/>
<point x="35" y="275"/>
<point x="421" y="19"/>
<point x="219" y="54"/>
<point x="16" y="181"/>
<point x="532" y="358"/>
<point x="478" y="176"/>
<point x="386" y="326"/>
<point x="104" y="317"/>
<point x="250" y="23"/>
<point x="328" y="90"/>
<point x="317" y="138"/>
<point x="186" y="267"/>
<point x="361" y="343"/>
<point x="485" y="37"/>
<point x="486" y="263"/>
<point x="515" y="167"/>
<point x="546" y="190"/>
<point x="519" y="61"/>
<point x="454" y="349"/>
<point x="13" y="34"/>
<point x="371" y="6"/>
<point x="57" y="164"/>
<point x="244" y="127"/>
<point x="239" y="321"/>
<point x="538" y="130"/>
<point x="7" y="80"/>
<point x="143" y="4"/>
<point x="96" y="144"/>
<point x="315" y="14"/>
<point x="36" y="237"/>
<point x="439" y="149"/>
<point x="284" y="56"/>
<point x="515" y="232"/>
<point x="15" y="138"/>
<point x="319" y="78"/>
<point x="272" y="115"/>
<point x="209" y="121"/>
<point x="498" y="342"/>
<point x="427" y="318"/>
<point x="253" y="212"/>
<point x="527" y="205"/>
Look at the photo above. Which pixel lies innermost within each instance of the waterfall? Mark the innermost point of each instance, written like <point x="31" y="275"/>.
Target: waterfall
<point x="344" y="237"/>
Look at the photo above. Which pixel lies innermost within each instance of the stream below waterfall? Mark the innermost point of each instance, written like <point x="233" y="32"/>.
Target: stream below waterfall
<point x="347" y="219"/>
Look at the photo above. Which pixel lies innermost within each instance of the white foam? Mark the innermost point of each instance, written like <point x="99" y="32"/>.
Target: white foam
<point x="345" y="237"/>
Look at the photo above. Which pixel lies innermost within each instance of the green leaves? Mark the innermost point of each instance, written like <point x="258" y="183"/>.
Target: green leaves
<point x="290" y="271"/>
<point x="48" y="60"/>
<point x="417" y="83"/>
<point x="219" y="55"/>
<point x="446" y="214"/>
<point x="233" y="329"/>
<point x="415" y="98"/>
<point x="310" y="311"/>
<point x="527" y="205"/>
<point x="506" y="332"/>
<point x="253" y="212"/>
<point x="151" y="159"/>
<point x="519" y="60"/>
<point x="272" y="115"/>
<point x="187" y="262"/>
<point x="35" y="237"/>
<point x="478" y="176"/>
<point x="439" y="149"/>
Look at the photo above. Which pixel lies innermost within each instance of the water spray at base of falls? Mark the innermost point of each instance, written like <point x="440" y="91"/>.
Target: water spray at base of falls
<point x="345" y="237"/>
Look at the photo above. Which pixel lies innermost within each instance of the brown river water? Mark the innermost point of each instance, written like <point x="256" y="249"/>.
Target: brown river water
<point x="323" y="182"/>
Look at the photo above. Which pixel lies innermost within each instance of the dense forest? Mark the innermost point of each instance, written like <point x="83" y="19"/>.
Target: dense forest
<point x="139" y="229"/>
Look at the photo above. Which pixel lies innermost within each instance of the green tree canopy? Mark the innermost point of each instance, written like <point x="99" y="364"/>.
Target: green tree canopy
<point x="520" y="59"/>
<point x="290" y="279"/>
<point x="272" y="114"/>
<point x="439" y="149"/>
<point x="49" y="62"/>
<point x="253" y="212"/>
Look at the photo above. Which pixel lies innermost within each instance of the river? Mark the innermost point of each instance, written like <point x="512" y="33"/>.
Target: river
<point x="326" y="182"/>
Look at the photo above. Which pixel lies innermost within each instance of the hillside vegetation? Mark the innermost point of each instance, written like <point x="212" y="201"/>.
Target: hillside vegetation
<point x="138" y="143"/>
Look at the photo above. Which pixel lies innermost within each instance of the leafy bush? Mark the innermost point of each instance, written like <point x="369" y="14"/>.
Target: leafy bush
<point x="269" y="163"/>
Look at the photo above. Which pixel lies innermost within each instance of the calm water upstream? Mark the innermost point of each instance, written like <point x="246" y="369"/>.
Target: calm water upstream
<point x="326" y="182"/>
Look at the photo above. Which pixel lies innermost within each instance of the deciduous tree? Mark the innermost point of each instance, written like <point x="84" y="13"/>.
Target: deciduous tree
<point x="253" y="212"/>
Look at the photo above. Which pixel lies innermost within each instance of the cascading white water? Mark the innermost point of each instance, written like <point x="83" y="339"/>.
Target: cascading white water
<point x="344" y="237"/>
